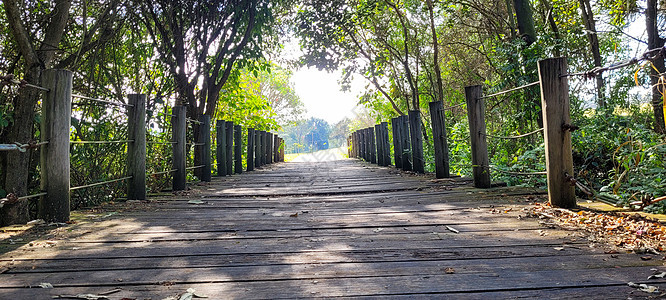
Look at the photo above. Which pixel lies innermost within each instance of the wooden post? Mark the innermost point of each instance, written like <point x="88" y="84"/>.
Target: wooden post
<point x="379" y="144"/>
<point x="230" y="146"/>
<point x="179" y="127"/>
<point x="387" y="145"/>
<point x="476" y="108"/>
<point x="556" y="116"/>
<point x="439" y="139"/>
<point x="397" y="145"/>
<point x="264" y="146"/>
<point x="250" y="149"/>
<point x="269" y="153"/>
<point x="416" y="134"/>
<point x="204" y="138"/>
<point x="54" y="156"/>
<point x="221" y="147"/>
<point x="238" y="149"/>
<point x="257" y="148"/>
<point x="364" y="147"/>
<point x="406" y="143"/>
<point x="136" y="149"/>
<point x="276" y="148"/>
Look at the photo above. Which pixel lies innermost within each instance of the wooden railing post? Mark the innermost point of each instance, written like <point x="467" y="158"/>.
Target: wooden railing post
<point x="406" y="143"/>
<point x="387" y="145"/>
<point x="54" y="156"/>
<point x="264" y="146"/>
<point x="366" y="144"/>
<point x="257" y="148"/>
<point x="179" y="127"/>
<point x="379" y="144"/>
<point x="439" y="139"/>
<point x="276" y="148"/>
<point x="282" y="149"/>
<point x="373" y="148"/>
<point x="250" y="149"/>
<point x="555" y="107"/>
<point x="221" y="147"/>
<point x="205" y="172"/>
<point x="229" y="147"/>
<point x="416" y="134"/>
<point x="397" y="145"/>
<point x="136" y="149"/>
<point x="477" y="129"/>
<point x="238" y="149"/>
<point x="269" y="153"/>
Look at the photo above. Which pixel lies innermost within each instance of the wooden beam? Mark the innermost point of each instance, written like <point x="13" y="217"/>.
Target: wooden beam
<point x="179" y="127"/>
<point x="54" y="156"/>
<point x="556" y="118"/>
<point x="136" y="149"/>
<point x="221" y="147"/>
<point x="476" y="108"/>
<point x="439" y="139"/>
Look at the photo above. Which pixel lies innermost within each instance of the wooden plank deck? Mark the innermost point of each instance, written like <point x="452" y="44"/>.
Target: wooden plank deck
<point x="320" y="230"/>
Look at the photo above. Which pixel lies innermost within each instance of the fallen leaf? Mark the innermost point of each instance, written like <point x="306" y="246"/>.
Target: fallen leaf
<point x="45" y="285"/>
<point x="378" y="229"/>
<point x="644" y="287"/>
<point x="452" y="229"/>
<point x="559" y="248"/>
<point x="449" y="270"/>
<point x="195" y="202"/>
<point x="294" y="215"/>
<point x="646" y="257"/>
<point x="660" y="275"/>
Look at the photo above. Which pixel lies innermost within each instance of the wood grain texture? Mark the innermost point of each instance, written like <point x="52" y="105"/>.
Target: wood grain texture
<point x="136" y="150"/>
<point x="179" y="127"/>
<point x="54" y="156"/>
<point x="476" y="111"/>
<point x="555" y="109"/>
<point x="343" y="228"/>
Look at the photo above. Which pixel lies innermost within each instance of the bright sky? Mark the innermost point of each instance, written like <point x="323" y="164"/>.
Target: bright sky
<point x="321" y="94"/>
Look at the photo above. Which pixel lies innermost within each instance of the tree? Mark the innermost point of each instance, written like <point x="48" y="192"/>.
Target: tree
<point x="658" y="90"/>
<point x="37" y="53"/>
<point x="590" y="26"/>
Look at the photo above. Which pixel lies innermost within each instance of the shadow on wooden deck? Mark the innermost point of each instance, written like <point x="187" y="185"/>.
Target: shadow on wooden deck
<point x="322" y="230"/>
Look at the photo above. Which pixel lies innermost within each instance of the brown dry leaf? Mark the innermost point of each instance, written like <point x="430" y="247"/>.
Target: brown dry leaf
<point x="294" y="215"/>
<point x="449" y="270"/>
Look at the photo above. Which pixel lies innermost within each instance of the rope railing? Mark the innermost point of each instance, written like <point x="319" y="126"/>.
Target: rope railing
<point x="193" y="121"/>
<point x="648" y="55"/>
<point x="454" y="106"/>
<point x="512" y="137"/>
<point x="101" y="100"/>
<point x="162" y="172"/>
<point x="22" y="147"/>
<point x="161" y="143"/>
<point x="511" y="90"/>
<point x="194" y="167"/>
<point x="101" y="142"/>
<point x="11" y="198"/>
<point x="99" y="183"/>
<point x="9" y="79"/>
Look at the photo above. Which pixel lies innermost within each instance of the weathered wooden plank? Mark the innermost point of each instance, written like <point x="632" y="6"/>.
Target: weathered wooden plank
<point x="54" y="156"/>
<point x="136" y="149"/>
<point x="179" y="127"/>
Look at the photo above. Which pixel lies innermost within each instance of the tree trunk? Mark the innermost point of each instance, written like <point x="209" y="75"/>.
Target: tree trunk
<point x="16" y="165"/>
<point x="525" y="21"/>
<point x="588" y="19"/>
<point x="435" y="46"/>
<point x="654" y="41"/>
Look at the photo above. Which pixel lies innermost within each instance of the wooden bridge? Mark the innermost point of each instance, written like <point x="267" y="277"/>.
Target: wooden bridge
<point x="335" y="229"/>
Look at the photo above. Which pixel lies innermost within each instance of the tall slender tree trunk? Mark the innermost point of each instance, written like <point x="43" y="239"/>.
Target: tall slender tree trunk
<point x="658" y="90"/>
<point x="525" y="20"/>
<point x="588" y="19"/>
<point x="435" y="46"/>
